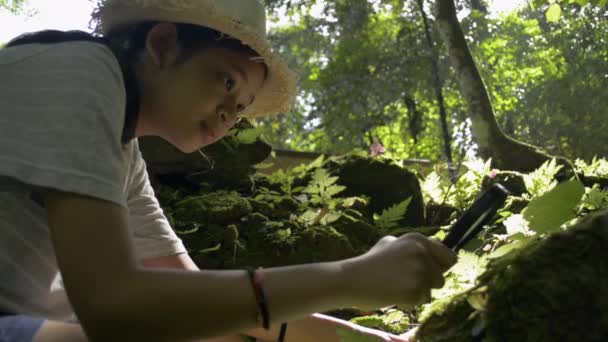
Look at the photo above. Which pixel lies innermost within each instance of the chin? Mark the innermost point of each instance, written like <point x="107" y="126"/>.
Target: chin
<point x="183" y="145"/>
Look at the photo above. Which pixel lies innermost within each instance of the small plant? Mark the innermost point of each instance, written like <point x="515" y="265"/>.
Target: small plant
<point x="542" y="179"/>
<point x="468" y="185"/>
<point x="322" y="188"/>
<point x="392" y="215"/>
<point x="597" y="168"/>
<point x="594" y="199"/>
<point x="438" y="188"/>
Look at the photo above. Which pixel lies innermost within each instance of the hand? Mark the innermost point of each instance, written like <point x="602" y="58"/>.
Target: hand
<point x="398" y="271"/>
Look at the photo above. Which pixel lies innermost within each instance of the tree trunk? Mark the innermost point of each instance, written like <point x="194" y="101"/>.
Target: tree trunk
<point x="447" y="137"/>
<point x="415" y="117"/>
<point x="478" y="5"/>
<point x="506" y="153"/>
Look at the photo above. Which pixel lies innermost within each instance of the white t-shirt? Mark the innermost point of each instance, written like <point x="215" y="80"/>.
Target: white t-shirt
<point x="62" y="110"/>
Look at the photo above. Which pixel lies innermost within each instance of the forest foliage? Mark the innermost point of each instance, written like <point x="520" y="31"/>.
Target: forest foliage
<point x="365" y="72"/>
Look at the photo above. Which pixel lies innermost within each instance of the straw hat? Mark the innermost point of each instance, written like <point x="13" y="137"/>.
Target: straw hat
<point x="241" y="19"/>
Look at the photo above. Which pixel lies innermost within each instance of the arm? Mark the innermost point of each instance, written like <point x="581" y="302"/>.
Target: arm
<point x="316" y="327"/>
<point x="111" y="293"/>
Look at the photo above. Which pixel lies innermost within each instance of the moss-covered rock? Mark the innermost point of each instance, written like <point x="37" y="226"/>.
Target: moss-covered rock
<point x="226" y="164"/>
<point x="218" y="207"/>
<point x="516" y="204"/>
<point x="550" y="290"/>
<point x="438" y="214"/>
<point x="394" y="322"/>
<point x="383" y="181"/>
<point x="360" y="234"/>
<point x="512" y="180"/>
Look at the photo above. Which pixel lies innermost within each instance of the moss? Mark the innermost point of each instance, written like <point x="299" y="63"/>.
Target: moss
<point x="438" y="214"/>
<point x="551" y="290"/>
<point x="285" y="207"/>
<point x="360" y="234"/>
<point x="512" y="180"/>
<point x="324" y="243"/>
<point x="265" y="208"/>
<point x="263" y="220"/>
<point x="216" y="207"/>
<point x="383" y="182"/>
<point x="275" y="206"/>
<point x="516" y="204"/>
<point x="449" y="321"/>
<point x="394" y="322"/>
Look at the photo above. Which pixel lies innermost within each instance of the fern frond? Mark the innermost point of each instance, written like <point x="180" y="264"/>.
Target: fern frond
<point x="391" y="215"/>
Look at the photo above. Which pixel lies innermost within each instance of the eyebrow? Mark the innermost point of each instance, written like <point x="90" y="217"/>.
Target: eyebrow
<point x="240" y="71"/>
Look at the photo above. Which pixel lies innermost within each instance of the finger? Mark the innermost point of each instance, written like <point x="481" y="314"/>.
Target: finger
<point x="385" y="241"/>
<point x="435" y="274"/>
<point x="444" y="256"/>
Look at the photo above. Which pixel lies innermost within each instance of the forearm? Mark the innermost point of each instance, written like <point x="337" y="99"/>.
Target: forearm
<point x="215" y="303"/>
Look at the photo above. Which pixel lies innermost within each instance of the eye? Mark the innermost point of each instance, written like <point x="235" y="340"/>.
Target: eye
<point x="229" y="83"/>
<point x="240" y="108"/>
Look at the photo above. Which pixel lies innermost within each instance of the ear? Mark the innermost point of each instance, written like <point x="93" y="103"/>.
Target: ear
<point x="162" y="44"/>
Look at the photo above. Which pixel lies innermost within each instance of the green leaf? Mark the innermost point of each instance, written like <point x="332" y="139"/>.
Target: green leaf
<point x="546" y="213"/>
<point x="478" y="301"/>
<point x="542" y="179"/>
<point x="316" y="163"/>
<point x="350" y="335"/>
<point x="331" y="217"/>
<point x="554" y="13"/>
<point x="249" y="136"/>
<point x="210" y="249"/>
<point x="390" y="216"/>
<point x="505" y="249"/>
<point x="393" y="317"/>
<point x="595" y="198"/>
<point x="262" y="166"/>
<point x="308" y="217"/>
<point x="322" y="187"/>
<point x="432" y="188"/>
<point x="517" y="224"/>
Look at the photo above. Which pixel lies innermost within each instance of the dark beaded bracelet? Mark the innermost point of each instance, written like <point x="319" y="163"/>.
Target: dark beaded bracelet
<point x="260" y="298"/>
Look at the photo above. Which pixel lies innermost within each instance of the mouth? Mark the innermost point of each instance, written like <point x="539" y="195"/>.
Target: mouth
<point x="207" y="133"/>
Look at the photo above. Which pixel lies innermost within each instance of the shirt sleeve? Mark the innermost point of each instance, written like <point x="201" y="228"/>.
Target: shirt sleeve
<point x="152" y="233"/>
<point x="61" y="116"/>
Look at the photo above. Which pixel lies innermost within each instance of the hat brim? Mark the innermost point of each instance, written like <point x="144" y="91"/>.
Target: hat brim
<point x="277" y="95"/>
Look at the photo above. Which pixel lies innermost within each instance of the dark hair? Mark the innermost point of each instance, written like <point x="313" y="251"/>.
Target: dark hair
<point x="192" y="39"/>
<point x="50" y="37"/>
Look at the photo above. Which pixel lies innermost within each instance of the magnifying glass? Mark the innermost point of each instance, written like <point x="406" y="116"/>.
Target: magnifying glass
<point x="470" y="223"/>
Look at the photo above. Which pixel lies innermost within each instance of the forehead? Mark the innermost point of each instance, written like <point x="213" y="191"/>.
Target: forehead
<point x="250" y="67"/>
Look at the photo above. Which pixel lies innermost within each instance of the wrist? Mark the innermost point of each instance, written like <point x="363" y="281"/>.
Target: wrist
<point x="347" y="286"/>
<point x="350" y="282"/>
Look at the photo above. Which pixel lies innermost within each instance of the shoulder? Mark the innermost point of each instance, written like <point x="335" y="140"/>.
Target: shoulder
<point x="77" y="82"/>
<point x="70" y="61"/>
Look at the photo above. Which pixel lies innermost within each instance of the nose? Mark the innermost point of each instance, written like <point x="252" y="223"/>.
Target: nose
<point x="227" y="114"/>
<point x="227" y="111"/>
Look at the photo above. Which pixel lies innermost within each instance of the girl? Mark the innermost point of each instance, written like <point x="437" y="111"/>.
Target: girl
<point x="85" y="250"/>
